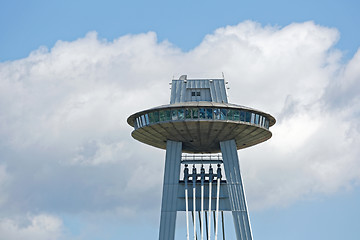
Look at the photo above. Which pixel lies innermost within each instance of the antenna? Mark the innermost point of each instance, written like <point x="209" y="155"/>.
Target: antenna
<point x="227" y="87"/>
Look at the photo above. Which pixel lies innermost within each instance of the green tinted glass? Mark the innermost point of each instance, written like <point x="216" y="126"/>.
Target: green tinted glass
<point x="156" y="116"/>
<point x="195" y="113"/>
<point x="209" y="114"/>
<point x="236" y="115"/>
<point x="223" y="113"/>
<point x="247" y="116"/>
<point x="230" y="114"/>
<point x="181" y="114"/>
<point x="188" y="113"/>
<point x="151" y="117"/>
<point x="174" y="115"/>
<point x="242" y="116"/>
<point x="162" y="116"/>
<point x="202" y="113"/>
<point x="167" y="115"/>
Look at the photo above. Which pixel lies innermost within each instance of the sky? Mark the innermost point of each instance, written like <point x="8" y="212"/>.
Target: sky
<point x="71" y="72"/>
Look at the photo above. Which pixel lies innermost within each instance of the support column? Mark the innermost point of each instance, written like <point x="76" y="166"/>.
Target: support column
<point x="170" y="190"/>
<point x="236" y="191"/>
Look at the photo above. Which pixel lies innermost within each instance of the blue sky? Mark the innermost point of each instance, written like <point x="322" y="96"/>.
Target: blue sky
<point x="26" y="25"/>
<point x="72" y="71"/>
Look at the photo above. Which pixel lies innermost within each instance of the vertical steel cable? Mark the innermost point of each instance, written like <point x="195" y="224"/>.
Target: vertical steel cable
<point x="194" y="197"/>
<point x="210" y="196"/>
<point x="202" y="174"/>
<point x="217" y="200"/>
<point x="186" y="177"/>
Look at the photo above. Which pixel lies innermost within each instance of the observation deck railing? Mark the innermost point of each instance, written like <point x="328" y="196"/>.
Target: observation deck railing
<point x="201" y="158"/>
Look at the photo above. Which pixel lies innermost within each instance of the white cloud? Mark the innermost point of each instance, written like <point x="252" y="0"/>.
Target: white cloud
<point x="39" y="227"/>
<point x="64" y="114"/>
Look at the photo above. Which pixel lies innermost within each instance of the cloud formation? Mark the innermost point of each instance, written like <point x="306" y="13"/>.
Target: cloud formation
<point x="40" y="227"/>
<point x="66" y="147"/>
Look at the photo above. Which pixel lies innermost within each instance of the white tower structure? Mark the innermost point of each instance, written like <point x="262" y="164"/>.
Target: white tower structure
<point x="200" y="128"/>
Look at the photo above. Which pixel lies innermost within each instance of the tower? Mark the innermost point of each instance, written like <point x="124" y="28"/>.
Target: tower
<point x="201" y="133"/>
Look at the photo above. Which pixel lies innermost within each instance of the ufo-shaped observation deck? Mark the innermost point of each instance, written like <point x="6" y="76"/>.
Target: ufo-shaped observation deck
<point x="201" y="125"/>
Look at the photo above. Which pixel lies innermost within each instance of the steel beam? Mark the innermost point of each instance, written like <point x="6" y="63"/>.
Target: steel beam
<point x="170" y="190"/>
<point x="235" y="190"/>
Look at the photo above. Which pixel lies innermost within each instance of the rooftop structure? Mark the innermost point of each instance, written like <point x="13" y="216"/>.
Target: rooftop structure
<point x="200" y="121"/>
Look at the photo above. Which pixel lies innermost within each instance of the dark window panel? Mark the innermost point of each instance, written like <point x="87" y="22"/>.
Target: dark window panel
<point x="209" y="113"/>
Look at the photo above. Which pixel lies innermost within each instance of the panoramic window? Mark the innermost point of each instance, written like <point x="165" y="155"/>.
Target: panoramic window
<point x="230" y="114"/>
<point x="252" y="118"/>
<point x="195" y="113"/>
<point x="167" y="115"/>
<point x="181" y="114"/>
<point x="187" y="113"/>
<point x="146" y="119"/>
<point x="256" y="119"/>
<point x="156" y="116"/>
<point x="242" y="116"/>
<point x="200" y="113"/>
<point x="142" y="120"/>
<point x="151" y="117"/>
<point x="222" y="113"/>
<point x="247" y="116"/>
<point x="174" y="115"/>
<point x="217" y="113"/>
<point x="136" y="125"/>
<point x="209" y="114"/>
<point x="162" y="116"/>
<point x="236" y="115"/>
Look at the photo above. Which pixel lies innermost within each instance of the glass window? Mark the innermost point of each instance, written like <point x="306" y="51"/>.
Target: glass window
<point x="256" y="119"/>
<point x="188" y="113"/>
<point x="247" y="116"/>
<point x="202" y="113"/>
<point x="267" y="124"/>
<point x="162" y="115"/>
<point x="197" y="93"/>
<point x="156" y="116"/>
<point x="222" y="113"/>
<point x="195" y="113"/>
<point x="142" y="123"/>
<point x="174" y="115"/>
<point x="230" y="114"/>
<point x="147" y="119"/>
<point x="252" y="118"/>
<point x="167" y="115"/>
<point x="209" y="114"/>
<point x="181" y="114"/>
<point x="264" y="121"/>
<point x="136" y="124"/>
<point x="242" y="116"/>
<point x="151" y="117"/>
<point x="193" y="94"/>
<point x="143" y="120"/>
<point x="236" y="115"/>
<point x="217" y="113"/>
